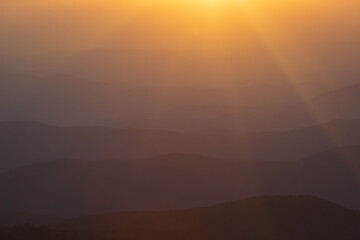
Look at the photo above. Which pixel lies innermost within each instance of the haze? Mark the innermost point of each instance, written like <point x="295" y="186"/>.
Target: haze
<point x="175" y="41"/>
<point x="179" y="119"/>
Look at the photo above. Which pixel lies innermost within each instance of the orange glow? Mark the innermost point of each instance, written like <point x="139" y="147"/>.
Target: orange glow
<point x="222" y="35"/>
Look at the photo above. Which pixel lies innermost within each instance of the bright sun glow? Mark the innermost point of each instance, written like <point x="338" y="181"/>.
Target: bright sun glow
<point x="222" y="2"/>
<point x="214" y="3"/>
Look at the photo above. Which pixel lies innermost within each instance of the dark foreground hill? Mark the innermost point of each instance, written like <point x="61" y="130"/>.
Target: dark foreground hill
<point x="29" y="232"/>
<point x="8" y="219"/>
<point x="23" y="143"/>
<point x="264" y="218"/>
<point x="176" y="181"/>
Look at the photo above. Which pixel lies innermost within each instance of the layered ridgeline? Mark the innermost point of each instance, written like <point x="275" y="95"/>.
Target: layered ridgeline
<point x="68" y="100"/>
<point x="336" y="104"/>
<point x="175" y="181"/>
<point x="262" y="218"/>
<point x="25" y="143"/>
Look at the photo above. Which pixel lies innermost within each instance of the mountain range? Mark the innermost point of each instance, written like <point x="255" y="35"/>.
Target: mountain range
<point x="175" y="181"/>
<point x="41" y="142"/>
<point x="68" y="100"/>
<point x="328" y="106"/>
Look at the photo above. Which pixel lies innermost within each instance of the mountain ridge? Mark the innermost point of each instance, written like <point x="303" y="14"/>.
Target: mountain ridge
<point x="175" y="181"/>
<point x="40" y="142"/>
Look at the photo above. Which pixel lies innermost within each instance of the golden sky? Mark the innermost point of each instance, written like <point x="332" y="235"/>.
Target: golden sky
<point x="39" y="25"/>
<point x="231" y="37"/>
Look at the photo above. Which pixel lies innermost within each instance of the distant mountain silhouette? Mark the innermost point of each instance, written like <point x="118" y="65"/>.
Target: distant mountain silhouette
<point x="335" y="104"/>
<point x="8" y="219"/>
<point x="23" y="143"/>
<point x="64" y="99"/>
<point x="73" y="188"/>
<point x="68" y="100"/>
<point x="263" y="218"/>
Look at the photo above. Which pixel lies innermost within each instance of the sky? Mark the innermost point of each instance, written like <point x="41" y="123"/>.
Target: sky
<point x="57" y="35"/>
